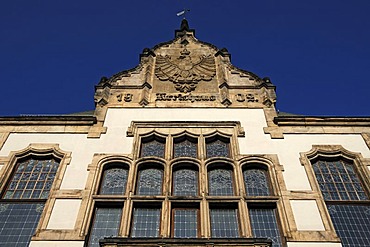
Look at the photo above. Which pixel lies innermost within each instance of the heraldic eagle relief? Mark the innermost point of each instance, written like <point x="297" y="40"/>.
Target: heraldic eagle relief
<point x="185" y="72"/>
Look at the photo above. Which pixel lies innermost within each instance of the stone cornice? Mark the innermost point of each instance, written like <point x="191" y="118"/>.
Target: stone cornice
<point x="321" y="121"/>
<point x="48" y="120"/>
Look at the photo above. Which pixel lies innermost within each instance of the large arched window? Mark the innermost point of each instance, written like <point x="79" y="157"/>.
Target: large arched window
<point x="114" y="180"/>
<point x="24" y="197"/>
<point x="149" y="181"/>
<point x="220" y="181"/>
<point x="346" y="198"/>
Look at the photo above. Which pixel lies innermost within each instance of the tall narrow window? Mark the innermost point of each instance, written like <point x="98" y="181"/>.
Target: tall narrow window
<point x="217" y="147"/>
<point x="146" y="222"/>
<point x="185" y="222"/>
<point x="264" y="225"/>
<point x="220" y="182"/>
<point x="185" y="182"/>
<point x="154" y="146"/>
<point x="25" y="196"/>
<point x="114" y="181"/>
<point x="105" y="223"/>
<point x="342" y="190"/>
<point x="256" y="183"/>
<point x="185" y="147"/>
<point x="224" y="222"/>
<point x="150" y="181"/>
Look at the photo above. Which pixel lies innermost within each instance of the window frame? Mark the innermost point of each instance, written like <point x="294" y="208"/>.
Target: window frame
<point x="38" y="151"/>
<point x="334" y="152"/>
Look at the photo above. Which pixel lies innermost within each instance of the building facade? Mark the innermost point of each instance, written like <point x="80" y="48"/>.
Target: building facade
<point x="184" y="150"/>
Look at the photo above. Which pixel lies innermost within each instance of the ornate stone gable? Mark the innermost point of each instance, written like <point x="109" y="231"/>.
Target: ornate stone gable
<point x="185" y="72"/>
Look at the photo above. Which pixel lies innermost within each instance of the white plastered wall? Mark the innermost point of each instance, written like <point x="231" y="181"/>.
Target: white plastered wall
<point x="119" y="119"/>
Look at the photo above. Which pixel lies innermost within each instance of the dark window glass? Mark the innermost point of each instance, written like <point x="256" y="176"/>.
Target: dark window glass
<point x="217" y="148"/>
<point x="114" y="181"/>
<point x="338" y="181"/>
<point x="146" y="222"/>
<point x="224" y="223"/>
<point x="18" y="223"/>
<point x="185" y="223"/>
<point x="220" y="182"/>
<point x="106" y="224"/>
<point x="152" y="148"/>
<point x="264" y="225"/>
<point x="256" y="182"/>
<point x="32" y="179"/>
<point x="352" y="223"/>
<point x="150" y="182"/>
<point x="185" y="148"/>
<point x="185" y="182"/>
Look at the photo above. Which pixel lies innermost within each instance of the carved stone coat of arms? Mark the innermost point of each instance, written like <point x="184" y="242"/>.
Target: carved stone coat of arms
<point x="183" y="71"/>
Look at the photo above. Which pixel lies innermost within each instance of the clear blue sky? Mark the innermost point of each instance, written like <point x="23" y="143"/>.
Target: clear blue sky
<point x="53" y="52"/>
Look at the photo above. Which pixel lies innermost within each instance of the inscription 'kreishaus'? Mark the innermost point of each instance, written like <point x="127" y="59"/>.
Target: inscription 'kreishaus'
<point x="184" y="97"/>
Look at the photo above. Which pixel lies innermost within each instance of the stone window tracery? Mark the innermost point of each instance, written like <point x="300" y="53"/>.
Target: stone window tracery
<point x="178" y="196"/>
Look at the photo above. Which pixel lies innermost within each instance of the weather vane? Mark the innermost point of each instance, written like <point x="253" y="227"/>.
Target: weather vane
<point x="183" y="13"/>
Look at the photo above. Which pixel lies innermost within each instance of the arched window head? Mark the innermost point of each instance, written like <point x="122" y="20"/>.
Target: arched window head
<point x="114" y="180"/>
<point x="217" y="147"/>
<point x="256" y="182"/>
<point x="152" y="146"/>
<point x="185" y="147"/>
<point x="220" y="182"/>
<point x="338" y="180"/>
<point x="150" y="181"/>
<point x="32" y="179"/>
<point x="185" y="182"/>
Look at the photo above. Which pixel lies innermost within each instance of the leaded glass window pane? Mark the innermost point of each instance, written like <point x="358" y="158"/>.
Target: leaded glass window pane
<point x="32" y="179"/>
<point x="114" y="181"/>
<point x="217" y="148"/>
<point x="338" y="181"/>
<point x="146" y="222"/>
<point x="150" y="182"/>
<point x="185" y="223"/>
<point x="18" y="223"/>
<point x="256" y="182"/>
<point x="185" y="182"/>
<point x="185" y="148"/>
<point x="224" y="223"/>
<point x="152" y="148"/>
<point x="352" y="223"/>
<point x="220" y="182"/>
<point x="264" y="225"/>
<point x="106" y="224"/>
